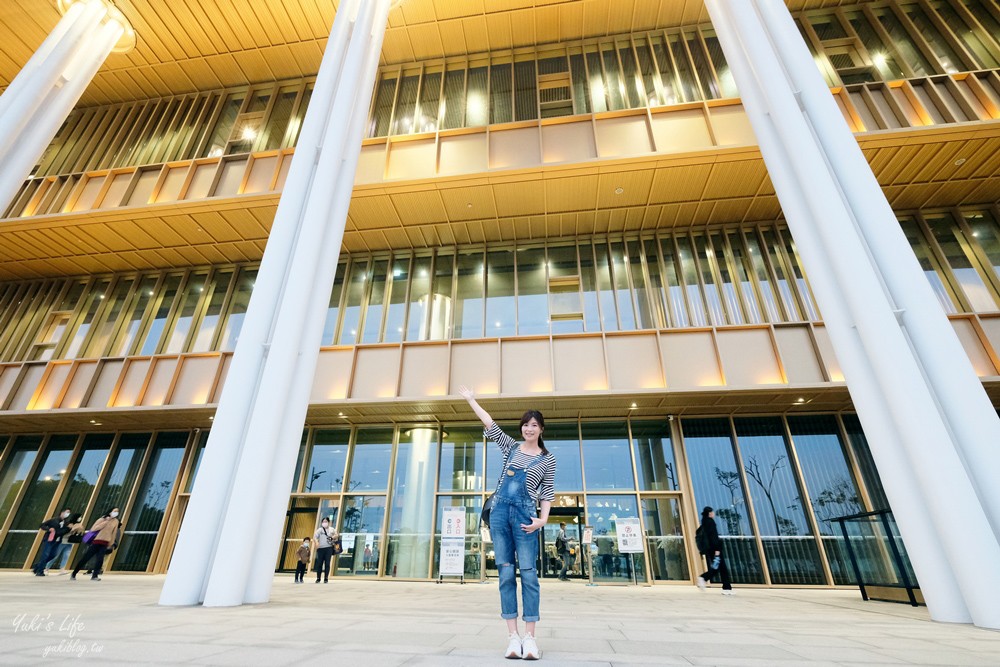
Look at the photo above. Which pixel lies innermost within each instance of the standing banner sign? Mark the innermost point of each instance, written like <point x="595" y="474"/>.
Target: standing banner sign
<point x="452" y="555"/>
<point x="629" y="535"/>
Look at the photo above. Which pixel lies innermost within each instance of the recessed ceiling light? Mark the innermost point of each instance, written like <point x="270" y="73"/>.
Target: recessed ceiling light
<point x="619" y="190"/>
<point x="468" y="205"/>
<point x="634" y="406"/>
<point x="959" y="162"/>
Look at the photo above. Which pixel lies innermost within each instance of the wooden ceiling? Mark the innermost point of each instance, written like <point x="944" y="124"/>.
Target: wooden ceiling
<point x="916" y="170"/>
<point x="189" y="45"/>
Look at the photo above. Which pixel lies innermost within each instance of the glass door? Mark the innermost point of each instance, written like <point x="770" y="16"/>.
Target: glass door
<point x="551" y="561"/>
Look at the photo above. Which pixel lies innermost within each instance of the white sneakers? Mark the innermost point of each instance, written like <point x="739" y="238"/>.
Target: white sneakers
<point x="729" y="592"/>
<point x="529" y="649"/>
<point x="513" y="651"/>
<point x="702" y="585"/>
<point x="518" y="648"/>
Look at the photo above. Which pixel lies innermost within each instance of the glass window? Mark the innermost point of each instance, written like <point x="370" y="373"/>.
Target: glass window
<point x="805" y="293"/>
<point x="501" y="101"/>
<point x="958" y="252"/>
<point x="729" y="288"/>
<point x="607" y="463"/>
<point x="613" y="83"/>
<point x="95" y="299"/>
<point x="565" y="302"/>
<point x="410" y="521"/>
<point x="370" y="463"/>
<point x="646" y="316"/>
<point x="439" y="308"/>
<point x="684" y="69"/>
<point x="989" y="22"/>
<point x="828" y="27"/>
<point x="461" y="460"/>
<point x="333" y="310"/>
<point x="133" y="319"/>
<point x="654" y="456"/>
<point x="665" y="539"/>
<point x="108" y="321"/>
<point x="532" y="292"/>
<point x="420" y="288"/>
<point x="469" y="296"/>
<point x="869" y="473"/>
<point x="986" y="234"/>
<point x="124" y="471"/>
<point x="328" y="461"/>
<point x="453" y="108"/>
<point x="361" y="535"/>
<point x="238" y="309"/>
<point x="603" y="513"/>
<point x="83" y="478"/>
<point x="216" y="297"/>
<point x="194" y="290"/>
<point x="199" y="452"/>
<point x="619" y="273"/>
<point x="168" y="292"/>
<point x="903" y="42"/>
<point x="15" y="471"/>
<point x="756" y="258"/>
<point x="476" y="103"/>
<point x="525" y="91"/>
<point x="632" y="83"/>
<point x="947" y="58"/>
<point x="778" y="266"/>
<point x="830" y="485"/>
<point x="717" y="483"/>
<point x="654" y="288"/>
<point x="879" y="52"/>
<point x="789" y="545"/>
<point x="713" y="298"/>
<point x="143" y="525"/>
<point x="406" y="105"/>
<point x="595" y="82"/>
<point x="385" y="93"/>
<point x="647" y="70"/>
<point x="563" y="440"/>
<point x="281" y="114"/>
<point x="678" y="309"/>
<point x="588" y="285"/>
<point x="373" y="316"/>
<point x="500" y="301"/>
<point x="927" y="263"/>
<point x="224" y="125"/>
<point x="668" y="80"/>
<point x="352" y="303"/>
<point x="689" y="271"/>
<point x="709" y="87"/>
<point x="581" y="90"/>
<point x="430" y="97"/>
<point x="34" y="505"/>
<point x="395" y="316"/>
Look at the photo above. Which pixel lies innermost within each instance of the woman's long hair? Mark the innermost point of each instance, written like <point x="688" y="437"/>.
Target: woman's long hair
<point x="537" y="416"/>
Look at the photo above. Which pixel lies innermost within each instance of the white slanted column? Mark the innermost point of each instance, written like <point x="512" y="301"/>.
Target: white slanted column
<point x="229" y="541"/>
<point x="37" y="101"/>
<point x="940" y="509"/>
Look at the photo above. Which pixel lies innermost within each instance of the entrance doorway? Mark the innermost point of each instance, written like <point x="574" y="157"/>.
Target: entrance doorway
<point x="551" y="562"/>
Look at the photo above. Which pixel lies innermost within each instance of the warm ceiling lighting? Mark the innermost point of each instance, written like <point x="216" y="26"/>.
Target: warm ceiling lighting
<point x="248" y="134"/>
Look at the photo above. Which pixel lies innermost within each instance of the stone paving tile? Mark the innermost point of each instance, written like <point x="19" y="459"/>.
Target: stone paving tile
<point x="412" y="623"/>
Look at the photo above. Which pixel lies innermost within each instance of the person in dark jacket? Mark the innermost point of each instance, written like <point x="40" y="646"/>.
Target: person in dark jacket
<point x="107" y="533"/>
<point x="55" y="528"/>
<point x="303" y="555"/>
<point x="713" y="554"/>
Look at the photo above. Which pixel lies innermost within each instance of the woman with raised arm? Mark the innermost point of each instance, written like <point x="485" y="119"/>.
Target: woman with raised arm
<point x="527" y="481"/>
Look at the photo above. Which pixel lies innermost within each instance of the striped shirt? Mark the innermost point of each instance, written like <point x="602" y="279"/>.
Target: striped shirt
<point x="541" y="479"/>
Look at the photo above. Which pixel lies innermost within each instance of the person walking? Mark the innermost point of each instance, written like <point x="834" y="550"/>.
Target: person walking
<point x="72" y="538"/>
<point x="527" y="480"/>
<point x="710" y="545"/>
<point x="562" y="548"/>
<point x="55" y="528"/>
<point x="107" y="531"/>
<point x="303" y="563"/>
<point x="324" y="550"/>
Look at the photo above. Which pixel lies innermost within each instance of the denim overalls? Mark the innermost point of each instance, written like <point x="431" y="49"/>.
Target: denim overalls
<point x="513" y="506"/>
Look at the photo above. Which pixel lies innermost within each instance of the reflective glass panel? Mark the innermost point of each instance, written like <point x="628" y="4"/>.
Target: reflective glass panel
<point x="500" y="300"/>
<point x="370" y="463"/>
<point x="473" y="543"/>
<point x="361" y="535"/>
<point x="237" y="309"/>
<point x="654" y="456"/>
<point x="610" y="565"/>
<point x="329" y="458"/>
<point x="412" y="514"/>
<point x="461" y="460"/>
<point x="607" y="463"/>
<point x="532" y="292"/>
<point x="665" y="539"/>
<point x="469" y="296"/>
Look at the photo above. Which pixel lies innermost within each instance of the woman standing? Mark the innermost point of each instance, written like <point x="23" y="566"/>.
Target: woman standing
<point x="526" y="481"/>
<point x="107" y="533"/>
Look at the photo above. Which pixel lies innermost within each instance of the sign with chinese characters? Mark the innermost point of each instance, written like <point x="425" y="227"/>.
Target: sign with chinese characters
<point x="629" y="535"/>
<point x="588" y="534"/>
<point x="453" y="523"/>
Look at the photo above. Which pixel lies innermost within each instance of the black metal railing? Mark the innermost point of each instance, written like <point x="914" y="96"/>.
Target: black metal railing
<point x="878" y="556"/>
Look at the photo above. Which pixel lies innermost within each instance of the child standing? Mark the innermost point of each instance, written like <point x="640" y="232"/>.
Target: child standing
<point x="303" y="554"/>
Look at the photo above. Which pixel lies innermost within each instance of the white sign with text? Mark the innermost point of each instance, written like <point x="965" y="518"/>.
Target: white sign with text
<point x="629" y="535"/>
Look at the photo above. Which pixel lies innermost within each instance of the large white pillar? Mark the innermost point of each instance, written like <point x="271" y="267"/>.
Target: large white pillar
<point x="50" y="84"/>
<point x="932" y="493"/>
<point x="229" y="541"/>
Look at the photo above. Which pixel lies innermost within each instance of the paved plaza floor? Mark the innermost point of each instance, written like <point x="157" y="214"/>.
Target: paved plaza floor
<point x="373" y="623"/>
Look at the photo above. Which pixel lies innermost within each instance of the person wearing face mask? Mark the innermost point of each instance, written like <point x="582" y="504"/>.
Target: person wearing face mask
<point x="71" y="539"/>
<point x="107" y="530"/>
<point x="324" y="538"/>
<point x="303" y="555"/>
<point x="55" y="528"/>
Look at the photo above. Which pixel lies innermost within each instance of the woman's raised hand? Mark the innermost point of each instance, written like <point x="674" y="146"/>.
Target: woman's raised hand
<point x="465" y="392"/>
